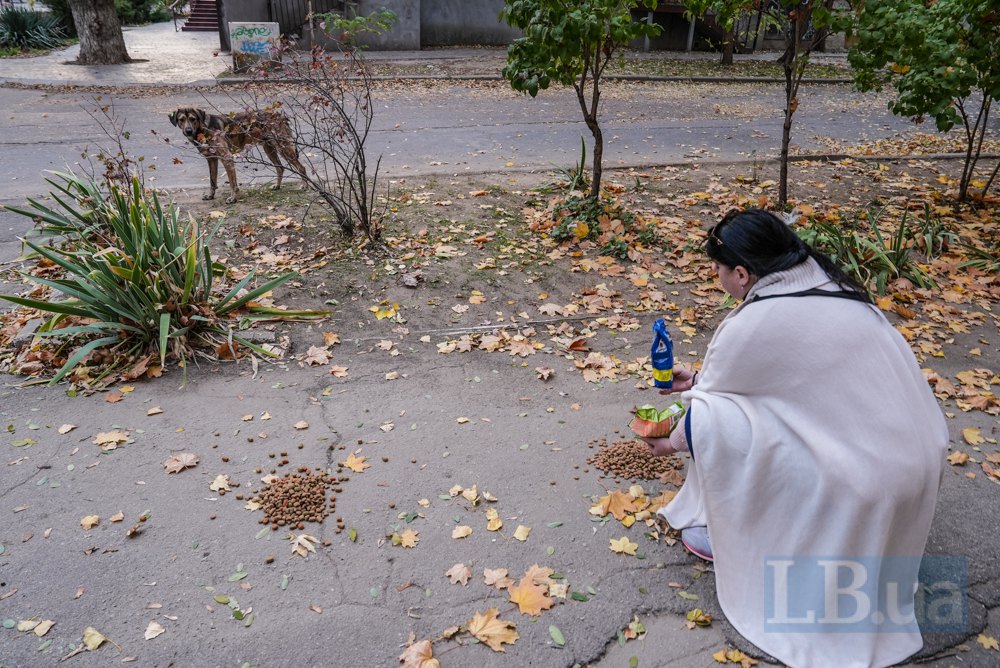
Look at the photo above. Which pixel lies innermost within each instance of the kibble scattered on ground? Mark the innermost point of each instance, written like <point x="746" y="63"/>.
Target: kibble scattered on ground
<point x="631" y="459"/>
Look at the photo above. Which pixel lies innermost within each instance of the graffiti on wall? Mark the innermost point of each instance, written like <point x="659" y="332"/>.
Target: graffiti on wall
<point x="252" y="43"/>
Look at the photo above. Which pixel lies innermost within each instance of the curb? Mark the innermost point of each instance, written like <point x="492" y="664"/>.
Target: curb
<point x="241" y="80"/>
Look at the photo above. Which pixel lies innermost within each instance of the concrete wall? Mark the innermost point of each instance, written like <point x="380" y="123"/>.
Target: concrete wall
<point x="405" y="34"/>
<point x="464" y="22"/>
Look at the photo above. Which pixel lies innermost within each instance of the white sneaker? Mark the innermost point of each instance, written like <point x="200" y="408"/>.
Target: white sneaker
<point x="695" y="539"/>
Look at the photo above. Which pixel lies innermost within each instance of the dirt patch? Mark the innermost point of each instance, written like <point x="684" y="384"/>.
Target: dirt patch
<point x="467" y="265"/>
<point x="477" y="268"/>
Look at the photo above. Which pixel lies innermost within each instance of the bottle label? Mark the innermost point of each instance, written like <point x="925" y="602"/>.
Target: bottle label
<point x="663" y="375"/>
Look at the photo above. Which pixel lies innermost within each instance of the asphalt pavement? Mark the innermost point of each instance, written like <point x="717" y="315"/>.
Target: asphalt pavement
<point x="365" y="605"/>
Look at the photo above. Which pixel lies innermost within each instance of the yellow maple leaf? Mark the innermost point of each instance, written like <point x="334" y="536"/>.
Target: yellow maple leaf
<point x="531" y="598"/>
<point x="461" y="531"/>
<point x="90" y="521"/>
<point x="618" y="503"/>
<point x="973" y="436"/>
<point x="419" y="655"/>
<point x="988" y="642"/>
<point x="409" y="538"/>
<point x="662" y="500"/>
<point x="958" y="458"/>
<point x="624" y="546"/>
<point x="355" y="463"/>
<point x="490" y="631"/>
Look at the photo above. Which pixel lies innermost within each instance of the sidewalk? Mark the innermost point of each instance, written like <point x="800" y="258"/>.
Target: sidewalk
<point x="165" y="56"/>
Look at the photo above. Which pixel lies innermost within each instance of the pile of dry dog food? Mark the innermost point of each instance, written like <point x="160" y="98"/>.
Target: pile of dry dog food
<point x="297" y="498"/>
<point x="632" y="459"/>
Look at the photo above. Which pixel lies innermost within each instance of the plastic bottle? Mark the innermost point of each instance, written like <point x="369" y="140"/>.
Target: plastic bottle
<point x="662" y="356"/>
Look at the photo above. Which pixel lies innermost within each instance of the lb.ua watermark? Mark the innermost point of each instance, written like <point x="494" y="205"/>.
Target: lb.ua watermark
<point x="866" y="594"/>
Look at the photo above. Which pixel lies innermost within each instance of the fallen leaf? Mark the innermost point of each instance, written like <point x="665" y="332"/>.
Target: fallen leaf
<point x="988" y="642"/>
<point x="43" y="627"/>
<point x="419" y="655"/>
<point x="618" y="503"/>
<point x="153" y="630"/>
<point x="544" y="372"/>
<point x="459" y="574"/>
<point x="493" y="521"/>
<point x="180" y="461"/>
<point x="221" y="483"/>
<point x="301" y="424"/>
<point x="409" y="538"/>
<point x="316" y="355"/>
<point x="90" y="521"/>
<point x="530" y="598"/>
<point x="540" y="575"/>
<point x="491" y="631"/>
<point x="109" y="439"/>
<point x="958" y="458"/>
<point x="497" y="578"/>
<point x="303" y="544"/>
<point x="315" y="608"/>
<point x="624" y="546"/>
<point x="155" y="410"/>
<point x="338" y="371"/>
<point x="461" y="531"/>
<point x="355" y="463"/>
<point x="66" y="428"/>
<point x="973" y="436"/>
<point x="92" y="638"/>
<point x="113" y="397"/>
<point x="521" y="533"/>
<point x="117" y="517"/>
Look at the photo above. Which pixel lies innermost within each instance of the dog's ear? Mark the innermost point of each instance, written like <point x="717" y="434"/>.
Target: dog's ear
<point x="173" y="118"/>
<point x="202" y="116"/>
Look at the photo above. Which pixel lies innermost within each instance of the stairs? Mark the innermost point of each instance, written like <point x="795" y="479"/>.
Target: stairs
<point x="204" y="17"/>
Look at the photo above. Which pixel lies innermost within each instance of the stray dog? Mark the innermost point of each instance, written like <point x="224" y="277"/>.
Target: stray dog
<point x="219" y="137"/>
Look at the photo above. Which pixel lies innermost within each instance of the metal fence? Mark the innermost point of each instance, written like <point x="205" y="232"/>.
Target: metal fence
<point x="290" y="15"/>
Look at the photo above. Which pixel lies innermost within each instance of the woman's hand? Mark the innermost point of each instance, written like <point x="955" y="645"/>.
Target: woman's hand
<point x="661" y="446"/>
<point x="683" y="380"/>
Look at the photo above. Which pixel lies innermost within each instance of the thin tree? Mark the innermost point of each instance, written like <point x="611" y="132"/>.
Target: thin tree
<point x="571" y="42"/>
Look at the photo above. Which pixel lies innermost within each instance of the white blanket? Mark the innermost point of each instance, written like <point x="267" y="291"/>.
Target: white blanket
<point x="814" y="434"/>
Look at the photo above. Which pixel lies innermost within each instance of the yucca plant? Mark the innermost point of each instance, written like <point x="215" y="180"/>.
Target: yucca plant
<point x="138" y="280"/>
<point x="870" y="257"/>
<point x="27" y="29"/>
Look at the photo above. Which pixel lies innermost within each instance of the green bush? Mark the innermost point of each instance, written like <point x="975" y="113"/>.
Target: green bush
<point x="137" y="12"/>
<point x="138" y="282"/>
<point x="130" y="12"/>
<point x="25" y="29"/>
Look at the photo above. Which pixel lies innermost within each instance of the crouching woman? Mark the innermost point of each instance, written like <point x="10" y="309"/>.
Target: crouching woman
<point x="817" y="451"/>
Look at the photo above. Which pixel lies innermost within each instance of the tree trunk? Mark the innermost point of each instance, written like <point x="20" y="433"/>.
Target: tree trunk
<point x="595" y="183"/>
<point x="100" y="31"/>
<point x="728" y="46"/>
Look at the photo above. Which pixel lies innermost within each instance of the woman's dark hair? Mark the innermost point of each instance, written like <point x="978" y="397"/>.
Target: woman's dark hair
<point x="763" y="243"/>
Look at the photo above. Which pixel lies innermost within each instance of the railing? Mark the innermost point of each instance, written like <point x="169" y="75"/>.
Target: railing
<point x="178" y="11"/>
<point x="290" y="15"/>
